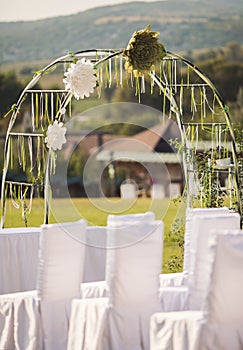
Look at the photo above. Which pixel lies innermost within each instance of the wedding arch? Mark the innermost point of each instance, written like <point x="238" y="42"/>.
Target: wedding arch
<point x="188" y="96"/>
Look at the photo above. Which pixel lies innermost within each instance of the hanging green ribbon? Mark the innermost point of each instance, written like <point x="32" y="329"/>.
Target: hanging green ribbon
<point x="14" y="108"/>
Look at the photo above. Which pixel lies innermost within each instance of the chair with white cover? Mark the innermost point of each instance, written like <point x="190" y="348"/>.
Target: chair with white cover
<point x="97" y="236"/>
<point x="181" y="278"/>
<point x="61" y="267"/>
<point x="220" y="322"/>
<point x="198" y="274"/>
<point x="133" y="265"/>
<point x="28" y="319"/>
<point x="190" y="295"/>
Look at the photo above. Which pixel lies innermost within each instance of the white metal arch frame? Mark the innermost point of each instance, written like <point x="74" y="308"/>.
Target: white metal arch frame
<point x="170" y="77"/>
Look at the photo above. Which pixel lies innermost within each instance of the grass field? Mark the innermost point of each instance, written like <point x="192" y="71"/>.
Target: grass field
<point x="96" y="211"/>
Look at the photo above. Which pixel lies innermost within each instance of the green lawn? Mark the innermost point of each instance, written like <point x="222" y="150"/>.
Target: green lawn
<point x="96" y="210"/>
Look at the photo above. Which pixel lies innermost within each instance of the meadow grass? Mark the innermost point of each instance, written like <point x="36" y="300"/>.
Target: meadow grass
<point x="96" y="211"/>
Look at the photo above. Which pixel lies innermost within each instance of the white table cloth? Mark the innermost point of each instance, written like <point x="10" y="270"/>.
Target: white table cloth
<point x="19" y="248"/>
<point x="18" y="259"/>
<point x="95" y="254"/>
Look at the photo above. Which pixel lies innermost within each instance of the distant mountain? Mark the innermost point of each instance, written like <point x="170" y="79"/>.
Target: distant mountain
<point x="183" y="25"/>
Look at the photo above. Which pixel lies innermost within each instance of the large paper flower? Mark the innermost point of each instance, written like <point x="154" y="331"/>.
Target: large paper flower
<point x="143" y="51"/>
<point x="55" y="136"/>
<point x="80" y="78"/>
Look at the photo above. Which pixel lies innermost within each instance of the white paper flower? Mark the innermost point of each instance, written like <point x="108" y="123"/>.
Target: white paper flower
<point x="55" y="136"/>
<point x="80" y="78"/>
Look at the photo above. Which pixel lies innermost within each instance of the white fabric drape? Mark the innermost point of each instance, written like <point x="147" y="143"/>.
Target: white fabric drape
<point x="97" y="289"/>
<point x="175" y="279"/>
<point x="176" y="330"/>
<point x="89" y="324"/>
<point x="20" y="326"/>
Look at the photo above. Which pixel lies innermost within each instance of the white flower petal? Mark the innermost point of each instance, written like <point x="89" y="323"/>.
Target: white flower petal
<point x="80" y="78"/>
<point x="55" y="136"/>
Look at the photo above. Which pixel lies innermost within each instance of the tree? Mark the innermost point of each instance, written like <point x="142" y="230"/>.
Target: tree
<point x="10" y="89"/>
<point x="234" y="52"/>
<point x="226" y="76"/>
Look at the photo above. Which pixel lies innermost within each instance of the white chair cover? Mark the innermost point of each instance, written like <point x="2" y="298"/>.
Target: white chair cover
<point x="18" y="259"/>
<point x="62" y="253"/>
<point x="97" y="289"/>
<point x="198" y="276"/>
<point x="134" y="260"/>
<point x="174" y="287"/>
<point x="100" y="289"/>
<point x="190" y="214"/>
<point x="95" y="254"/>
<point x="219" y="326"/>
<point x="20" y="326"/>
<point x="176" y="330"/>
<point x="175" y="279"/>
<point x="22" y="315"/>
<point x="134" y="219"/>
<point x="88" y="325"/>
<point x="181" y="279"/>
<point x="139" y="261"/>
<point x="224" y="303"/>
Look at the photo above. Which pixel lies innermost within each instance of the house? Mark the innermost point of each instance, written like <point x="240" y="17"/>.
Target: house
<point x="147" y="159"/>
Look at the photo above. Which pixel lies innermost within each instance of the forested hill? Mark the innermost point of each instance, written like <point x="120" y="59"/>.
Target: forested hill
<point x="183" y="25"/>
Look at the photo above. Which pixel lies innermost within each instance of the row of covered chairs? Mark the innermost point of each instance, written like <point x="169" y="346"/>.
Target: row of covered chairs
<point x="181" y="295"/>
<point x="40" y="318"/>
<point x="102" y="288"/>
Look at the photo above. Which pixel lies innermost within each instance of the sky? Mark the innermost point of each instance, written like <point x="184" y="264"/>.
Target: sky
<point x="28" y="10"/>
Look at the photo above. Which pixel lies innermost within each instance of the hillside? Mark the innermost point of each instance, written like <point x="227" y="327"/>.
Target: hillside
<point x="183" y="25"/>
